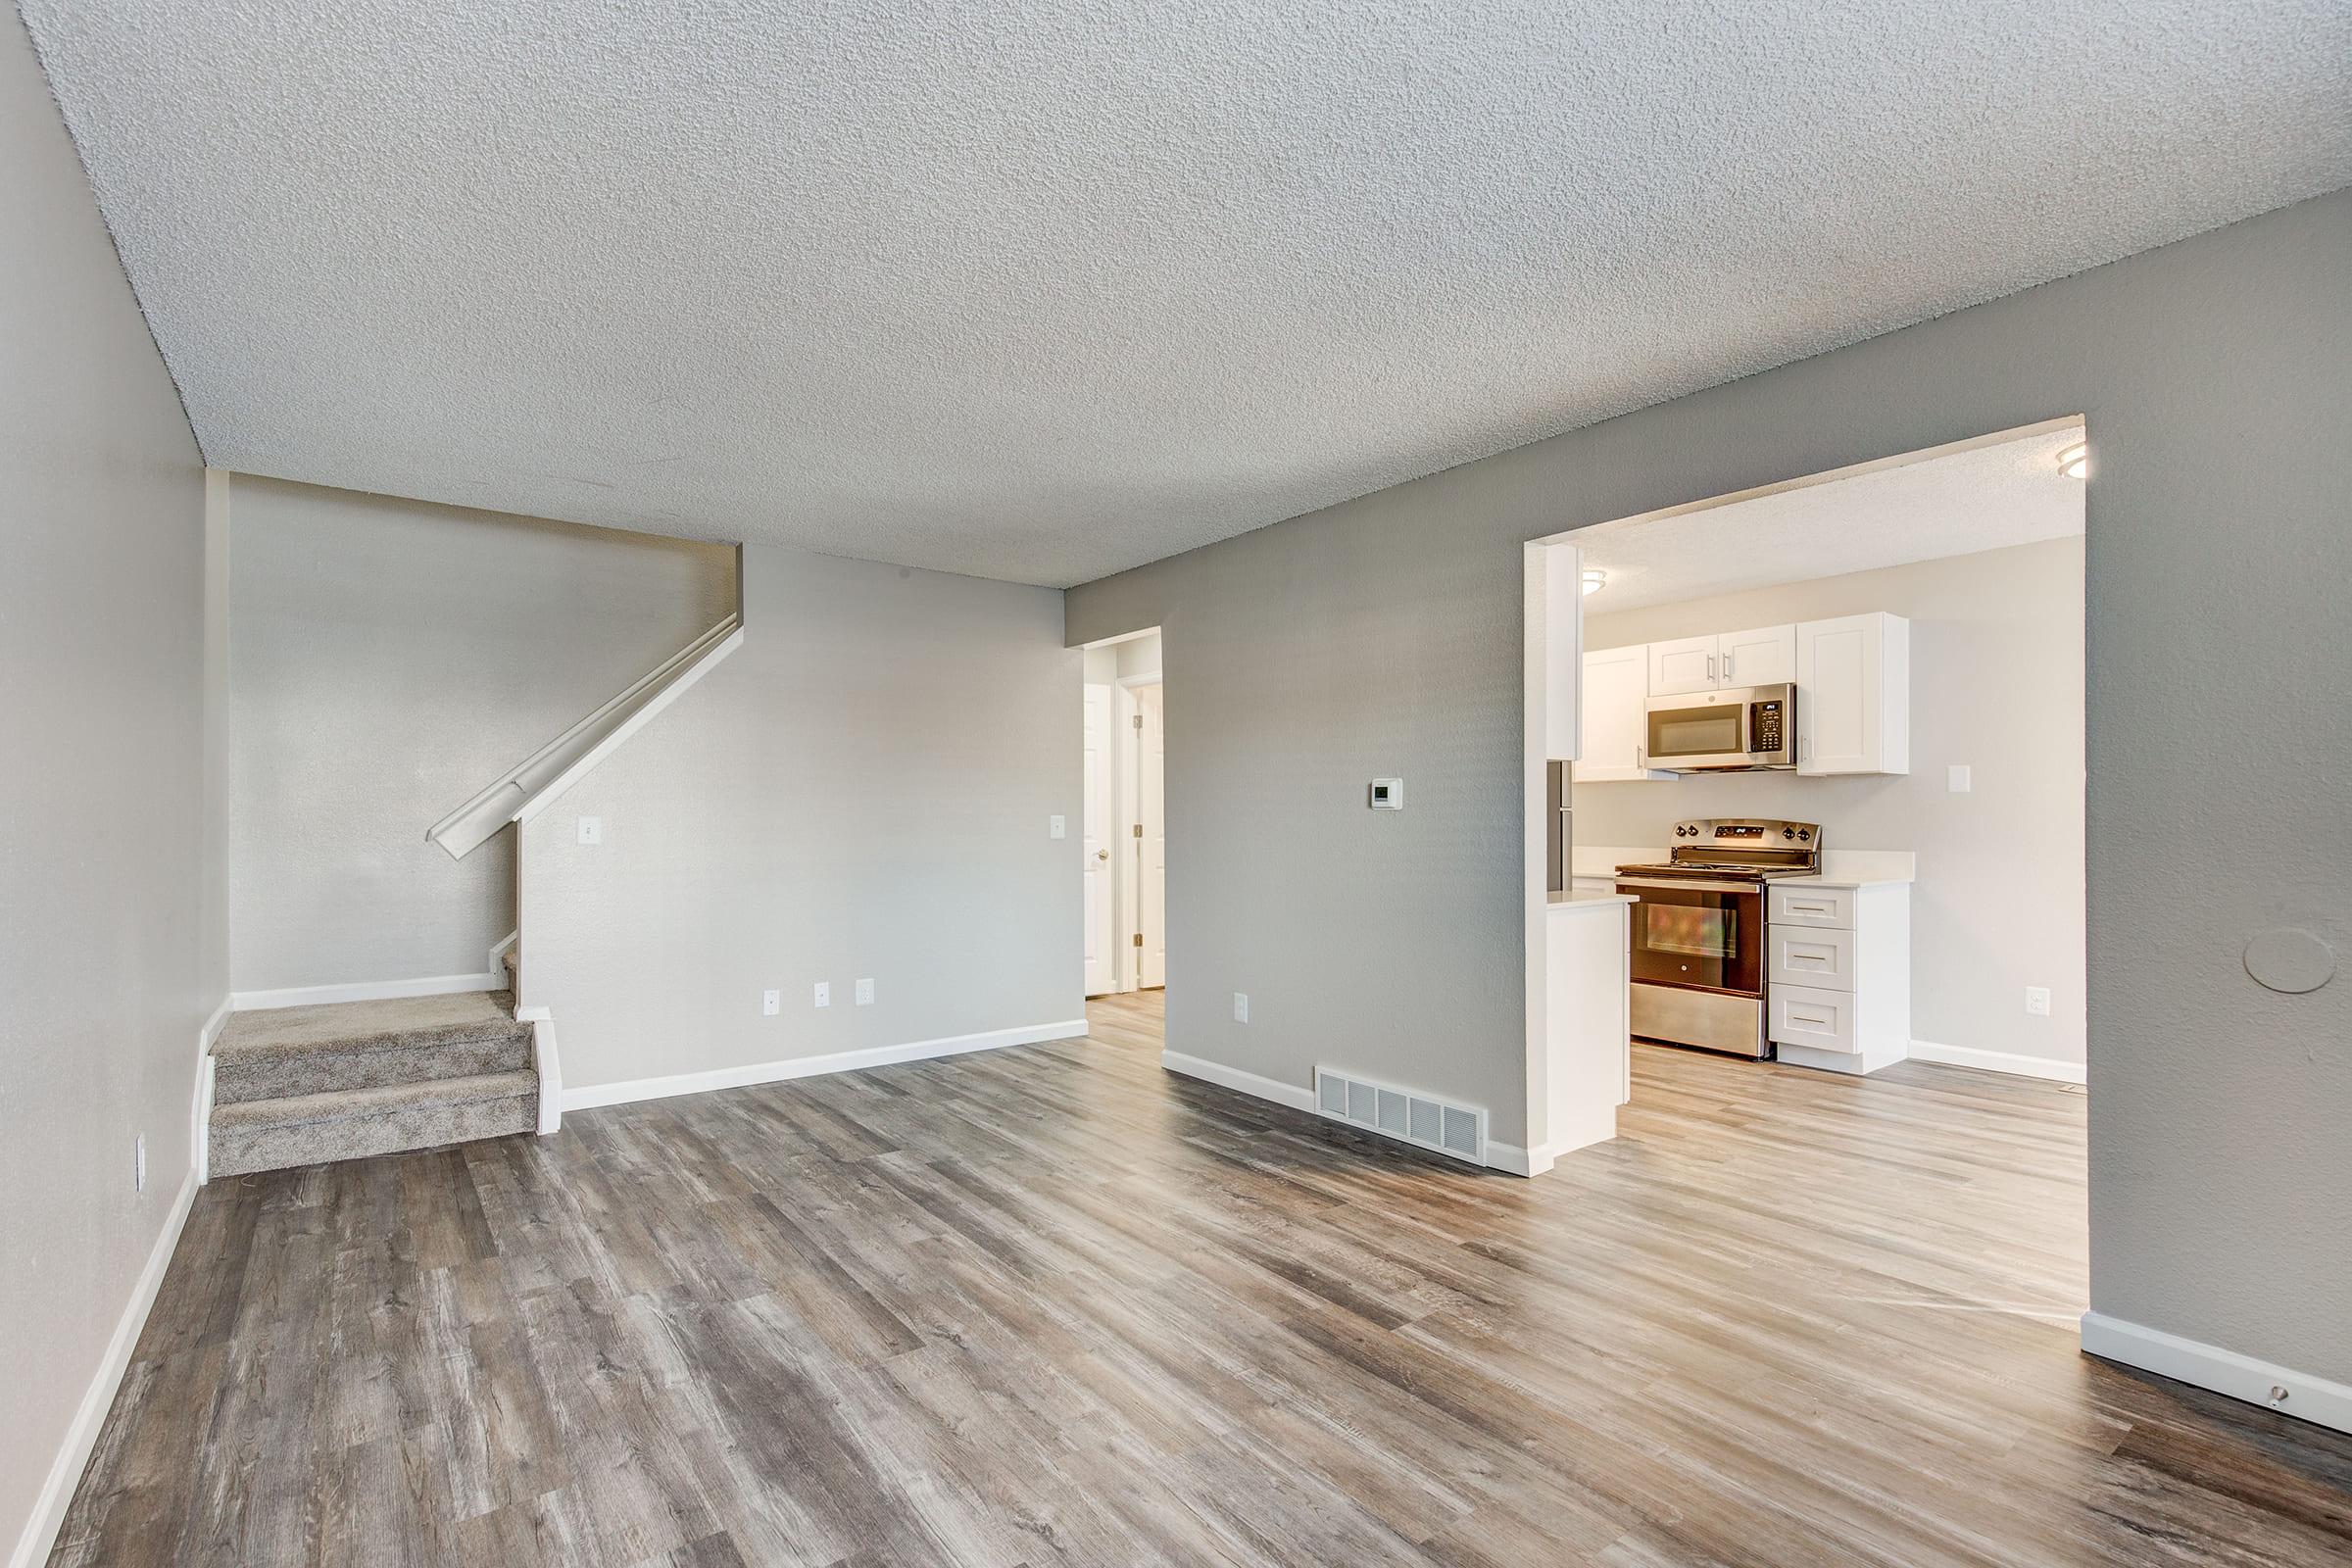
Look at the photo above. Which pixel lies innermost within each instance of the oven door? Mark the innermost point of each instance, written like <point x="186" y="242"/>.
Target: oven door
<point x="1699" y="935"/>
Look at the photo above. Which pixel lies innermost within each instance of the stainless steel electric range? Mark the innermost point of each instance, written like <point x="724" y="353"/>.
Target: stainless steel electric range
<point x="1698" y="929"/>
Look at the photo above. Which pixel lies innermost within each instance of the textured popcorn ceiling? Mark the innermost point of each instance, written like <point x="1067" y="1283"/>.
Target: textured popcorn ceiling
<point x="1040" y="290"/>
<point x="1983" y="498"/>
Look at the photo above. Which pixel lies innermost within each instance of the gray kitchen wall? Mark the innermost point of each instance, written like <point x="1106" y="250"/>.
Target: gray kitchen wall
<point x="387" y="660"/>
<point x="1996" y="683"/>
<point x="1382" y="636"/>
<point x="861" y="790"/>
<point x="102" y="552"/>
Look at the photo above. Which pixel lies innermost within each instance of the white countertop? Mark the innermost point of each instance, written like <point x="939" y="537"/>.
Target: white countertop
<point x="1840" y="869"/>
<point x="1586" y="900"/>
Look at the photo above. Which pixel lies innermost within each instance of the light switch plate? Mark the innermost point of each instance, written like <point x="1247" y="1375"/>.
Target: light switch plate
<point x="1058" y="827"/>
<point x="1241" y="1007"/>
<point x="824" y="993"/>
<point x="1387" y="795"/>
<point x="1958" y="779"/>
<point x="866" y="992"/>
<point x="592" y="830"/>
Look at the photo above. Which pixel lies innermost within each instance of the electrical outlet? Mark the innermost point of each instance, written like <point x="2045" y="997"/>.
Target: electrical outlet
<point x="1241" y="1007"/>
<point x="138" y="1163"/>
<point x="824" y="993"/>
<point x="1058" y="827"/>
<point x="2038" y="1000"/>
<point x="771" y="1002"/>
<point x="866" y="992"/>
<point x="592" y="830"/>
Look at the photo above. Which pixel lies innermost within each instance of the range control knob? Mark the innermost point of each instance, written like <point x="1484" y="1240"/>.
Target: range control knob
<point x="1787" y="832"/>
<point x="1804" y="832"/>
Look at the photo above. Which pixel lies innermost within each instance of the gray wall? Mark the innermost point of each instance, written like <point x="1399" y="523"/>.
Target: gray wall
<point x="861" y="790"/>
<point x="1996" y="682"/>
<point x="1383" y="636"/>
<point x="387" y="660"/>
<point x="101" y="796"/>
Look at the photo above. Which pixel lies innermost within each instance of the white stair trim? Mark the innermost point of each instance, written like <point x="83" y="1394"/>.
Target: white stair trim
<point x="2209" y="1366"/>
<point x="529" y="787"/>
<point x="632" y="1089"/>
<point x="81" y="1437"/>
<point x="551" y="1073"/>
<point x="433" y="985"/>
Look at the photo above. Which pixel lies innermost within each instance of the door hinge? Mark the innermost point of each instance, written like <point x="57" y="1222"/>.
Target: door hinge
<point x="1139" y="939"/>
<point x="1139" y="722"/>
<point x="1138" y="830"/>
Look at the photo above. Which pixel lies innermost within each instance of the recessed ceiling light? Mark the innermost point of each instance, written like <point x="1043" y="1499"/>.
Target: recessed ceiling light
<point x="1595" y="577"/>
<point x="2074" y="461"/>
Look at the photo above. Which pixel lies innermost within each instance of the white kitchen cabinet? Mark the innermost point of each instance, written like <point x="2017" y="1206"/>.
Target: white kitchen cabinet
<point x="1686" y="664"/>
<point x="1764" y="656"/>
<point x="1853" y="701"/>
<point x="1837" y="967"/>
<point x="1615" y="720"/>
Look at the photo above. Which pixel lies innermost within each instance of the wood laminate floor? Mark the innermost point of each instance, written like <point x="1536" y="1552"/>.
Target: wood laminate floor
<point x="1052" y="1305"/>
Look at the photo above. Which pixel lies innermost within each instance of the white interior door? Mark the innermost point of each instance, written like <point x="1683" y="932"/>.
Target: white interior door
<point x="1101" y="975"/>
<point x="1151" y="844"/>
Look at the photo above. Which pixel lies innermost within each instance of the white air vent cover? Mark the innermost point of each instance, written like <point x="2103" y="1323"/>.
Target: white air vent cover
<point x="1403" y="1114"/>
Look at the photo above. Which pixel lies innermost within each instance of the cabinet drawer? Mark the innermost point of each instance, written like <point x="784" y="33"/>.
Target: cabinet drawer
<point x="1801" y="1015"/>
<point x="1802" y="956"/>
<point x="1833" y="908"/>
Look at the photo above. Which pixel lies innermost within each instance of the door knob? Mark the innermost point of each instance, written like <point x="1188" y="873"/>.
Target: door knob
<point x="1102" y="855"/>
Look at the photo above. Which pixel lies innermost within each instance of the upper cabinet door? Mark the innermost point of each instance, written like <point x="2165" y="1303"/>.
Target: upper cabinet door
<point x="1764" y="656"/>
<point x="1685" y="665"/>
<point x="1853" y="695"/>
<point x="1616" y="684"/>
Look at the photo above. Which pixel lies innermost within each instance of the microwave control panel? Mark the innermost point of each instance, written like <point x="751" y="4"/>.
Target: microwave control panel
<point x="1765" y="720"/>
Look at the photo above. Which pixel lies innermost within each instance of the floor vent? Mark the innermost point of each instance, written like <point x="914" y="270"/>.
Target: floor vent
<point x="1403" y="1114"/>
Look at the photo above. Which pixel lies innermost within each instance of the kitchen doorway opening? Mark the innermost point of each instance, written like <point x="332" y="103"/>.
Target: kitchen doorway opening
<point x="1822" y="741"/>
<point x="1124" y="847"/>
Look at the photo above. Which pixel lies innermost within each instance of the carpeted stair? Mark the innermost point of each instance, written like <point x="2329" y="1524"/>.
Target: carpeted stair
<point x="300" y="1086"/>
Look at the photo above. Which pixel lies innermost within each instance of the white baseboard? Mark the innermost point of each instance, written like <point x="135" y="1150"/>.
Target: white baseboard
<point x="497" y="952"/>
<point x="64" y="1472"/>
<point x="2009" y="1062"/>
<point x="431" y="985"/>
<point x="590" y="1096"/>
<point x="1513" y="1160"/>
<point x="1296" y="1096"/>
<point x="2209" y="1366"/>
<point x="213" y="1025"/>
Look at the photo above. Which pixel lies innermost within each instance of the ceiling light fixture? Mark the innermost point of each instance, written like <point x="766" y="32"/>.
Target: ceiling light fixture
<point x="1594" y="578"/>
<point x="2074" y="461"/>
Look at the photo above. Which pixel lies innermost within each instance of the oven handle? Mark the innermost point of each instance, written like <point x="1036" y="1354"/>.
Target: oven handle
<point x="1690" y="887"/>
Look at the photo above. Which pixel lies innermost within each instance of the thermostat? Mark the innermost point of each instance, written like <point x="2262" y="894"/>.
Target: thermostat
<point x="1387" y="795"/>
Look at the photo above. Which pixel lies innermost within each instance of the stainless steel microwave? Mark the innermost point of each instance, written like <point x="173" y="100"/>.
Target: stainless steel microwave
<point x="1735" y="729"/>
